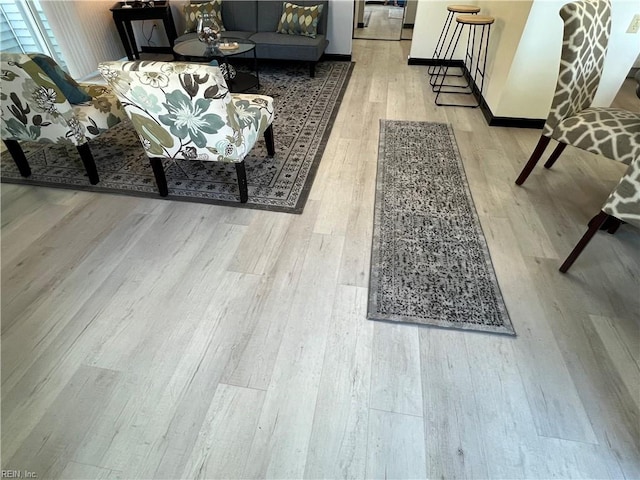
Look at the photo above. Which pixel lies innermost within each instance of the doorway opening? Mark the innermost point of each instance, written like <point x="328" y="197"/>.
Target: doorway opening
<point x="383" y="19"/>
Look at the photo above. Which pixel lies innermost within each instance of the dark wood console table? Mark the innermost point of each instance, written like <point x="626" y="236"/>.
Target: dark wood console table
<point x="142" y="11"/>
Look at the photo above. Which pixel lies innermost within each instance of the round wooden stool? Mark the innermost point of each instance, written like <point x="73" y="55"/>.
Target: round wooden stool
<point x="452" y="10"/>
<point x="475" y="60"/>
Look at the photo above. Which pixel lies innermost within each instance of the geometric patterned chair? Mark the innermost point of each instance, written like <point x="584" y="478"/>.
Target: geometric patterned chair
<point x="36" y="108"/>
<point x="622" y="205"/>
<point x="611" y="132"/>
<point x="185" y="111"/>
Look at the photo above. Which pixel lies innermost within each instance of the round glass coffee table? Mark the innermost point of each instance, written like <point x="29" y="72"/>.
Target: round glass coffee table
<point x="196" y="51"/>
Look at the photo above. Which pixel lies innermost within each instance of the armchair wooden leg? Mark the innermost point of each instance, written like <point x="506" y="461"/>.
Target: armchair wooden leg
<point x="594" y="225"/>
<point x="268" y="138"/>
<point x="535" y="156"/>
<point x="242" y="181"/>
<point x="161" y="179"/>
<point x="88" y="162"/>
<point x="18" y="157"/>
<point x="554" y="156"/>
<point x="613" y="225"/>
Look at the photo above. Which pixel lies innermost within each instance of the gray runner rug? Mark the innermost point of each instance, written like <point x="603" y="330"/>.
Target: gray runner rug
<point x="429" y="261"/>
<point x="305" y="109"/>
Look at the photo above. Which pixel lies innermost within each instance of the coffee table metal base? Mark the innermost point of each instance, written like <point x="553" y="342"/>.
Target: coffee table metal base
<point x="196" y="51"/>
<point x="243" y="82"/>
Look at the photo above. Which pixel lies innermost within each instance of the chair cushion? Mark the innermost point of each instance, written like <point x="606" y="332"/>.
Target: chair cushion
<point x="289" y="47"/>
<point x="611" y="132"/>
<point x="67" y="85"/>
<point x="299" y="20"/>
<point x="193" y="11"/>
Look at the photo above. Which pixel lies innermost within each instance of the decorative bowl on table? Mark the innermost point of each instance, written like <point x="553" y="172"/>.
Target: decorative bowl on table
<point x="206" y="33"/>
<point x="226" y="45"/>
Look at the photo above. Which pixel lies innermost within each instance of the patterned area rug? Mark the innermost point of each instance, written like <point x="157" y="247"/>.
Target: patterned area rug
<point x="429" y="263"/>
<point x="305" y="110"/>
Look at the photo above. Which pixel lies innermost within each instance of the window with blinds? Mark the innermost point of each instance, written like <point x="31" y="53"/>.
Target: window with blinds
<point x="24" y="28"/>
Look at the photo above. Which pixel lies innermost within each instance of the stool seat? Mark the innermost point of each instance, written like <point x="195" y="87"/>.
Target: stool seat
<point x="475" y="19"/>
<point x="463" y="8"/>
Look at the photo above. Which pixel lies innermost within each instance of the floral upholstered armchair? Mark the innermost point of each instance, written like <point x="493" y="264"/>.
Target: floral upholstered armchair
<point x="41" y="103"/>
<point x="185" y="111"/>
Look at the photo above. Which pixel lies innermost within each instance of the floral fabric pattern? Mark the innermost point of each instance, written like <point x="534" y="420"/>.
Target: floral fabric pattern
<point x="35" y="109"/>
<point x="183" y="110"/>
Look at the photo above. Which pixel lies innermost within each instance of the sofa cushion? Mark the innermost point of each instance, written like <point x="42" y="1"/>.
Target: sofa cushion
<point x="212" y="9"/>
<point x="289" y="47"/>
<point x="240" y="15"/>
<point x="299" y="20"/>
<point x="67" y="85"/>
<point x="269" y="13"/>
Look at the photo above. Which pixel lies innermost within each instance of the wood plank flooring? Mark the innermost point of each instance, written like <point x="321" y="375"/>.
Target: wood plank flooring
<point x="383" y="22"/>
<point x="144" y="338"/>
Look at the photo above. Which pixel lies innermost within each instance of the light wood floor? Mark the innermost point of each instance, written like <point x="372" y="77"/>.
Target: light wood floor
<point x="154" y="339"/>
<point x="380" y="25"/>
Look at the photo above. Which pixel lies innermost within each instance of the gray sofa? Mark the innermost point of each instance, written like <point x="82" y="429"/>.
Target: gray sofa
<point x="257" y="20"/>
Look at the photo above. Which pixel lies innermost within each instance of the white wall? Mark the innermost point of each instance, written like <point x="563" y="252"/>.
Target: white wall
<point x="624" y="49"/>
<point x="85" y="32"/>
<point x="410" y="11"/>
<point x="340" y="27"/>
<point x="525" y="51"/>
<point x="359" y="15"/>
<point x="531" y="81"/>
<point x="507" y="34"/>
<point x="430" y="17"/>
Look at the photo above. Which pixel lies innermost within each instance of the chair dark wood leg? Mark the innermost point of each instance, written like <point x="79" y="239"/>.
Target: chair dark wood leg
<point x="161" y="179"/>
<point x="554" y="156"/>
<point x="268" y="138"/>
<point x="594" y="226"/>
<point x="615" y="224"/>
<point x="535" y="156"/>
<point x="88" y="162"/>
<point x="242" y="181"/>
<point x="18" y="157"/>
<point x="312" y="69"/>
<point x="611" y="224"/>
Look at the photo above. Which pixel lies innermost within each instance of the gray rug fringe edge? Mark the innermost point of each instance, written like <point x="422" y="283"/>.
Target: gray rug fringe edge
<point x="441" y="324"/>
<point x="311" y="178"/>
<point x="507" y="329"/>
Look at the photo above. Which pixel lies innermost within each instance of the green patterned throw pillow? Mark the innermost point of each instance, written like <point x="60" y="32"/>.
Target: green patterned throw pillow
<point x="212" y="10"/>
<point x="299" y="20"/>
